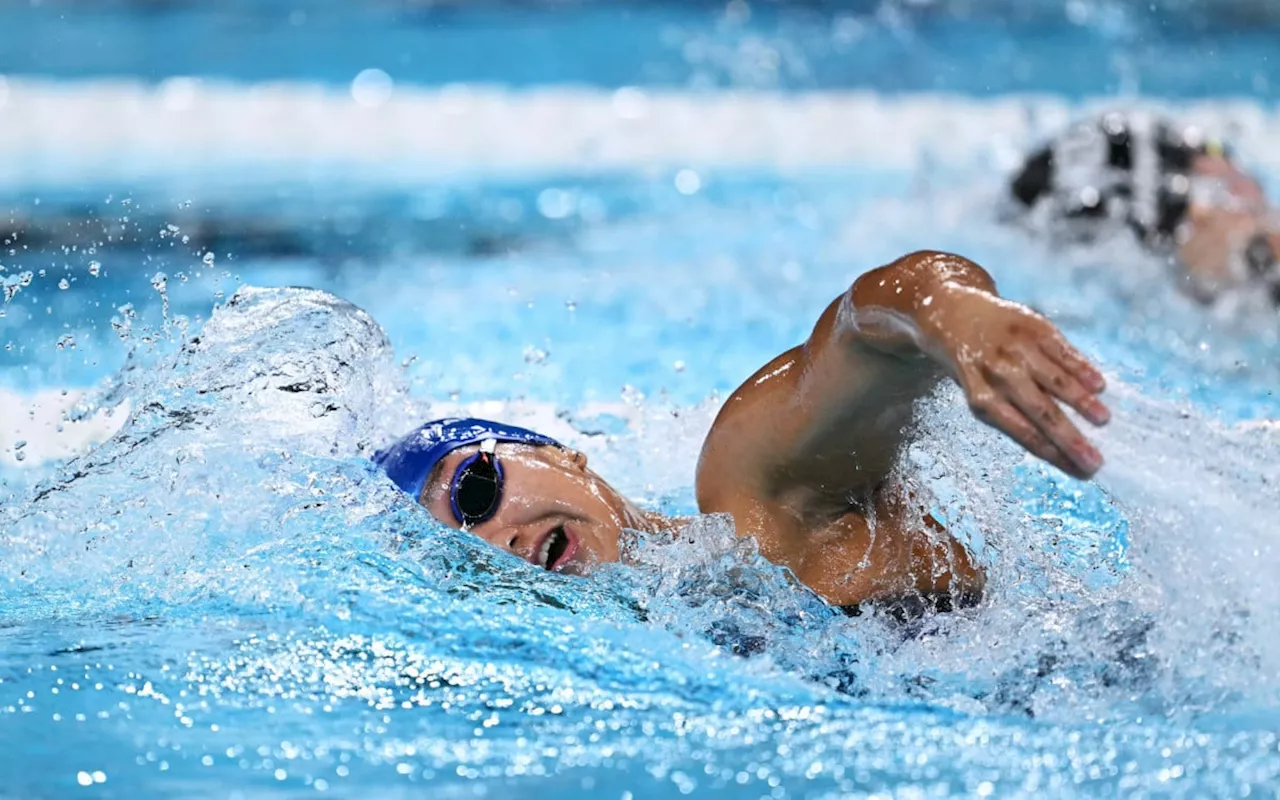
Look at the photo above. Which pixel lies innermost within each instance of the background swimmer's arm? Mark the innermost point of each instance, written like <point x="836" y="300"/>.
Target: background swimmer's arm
<point x="820" y="426"/>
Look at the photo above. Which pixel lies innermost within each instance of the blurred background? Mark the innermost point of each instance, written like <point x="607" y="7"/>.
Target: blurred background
<point x="529" y="174"/>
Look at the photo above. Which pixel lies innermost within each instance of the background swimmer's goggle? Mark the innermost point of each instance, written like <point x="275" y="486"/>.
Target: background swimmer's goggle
<point x="1259" y="256"/>
<point x="476" y="489"/>
<point x="1262" y="261"/>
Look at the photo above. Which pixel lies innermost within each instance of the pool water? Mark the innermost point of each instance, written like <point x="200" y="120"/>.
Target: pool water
<point x="224" y="598"/>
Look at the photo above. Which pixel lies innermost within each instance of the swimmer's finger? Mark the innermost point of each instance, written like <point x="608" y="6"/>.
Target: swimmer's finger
<point x="1066" y="387"/>
<point x="1004" y="417"/>
<point x="1073" y="361"/>
<point x="1043" y="412"/>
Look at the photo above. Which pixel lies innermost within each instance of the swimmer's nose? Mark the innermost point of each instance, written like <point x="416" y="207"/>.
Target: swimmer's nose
<point x="521" y="545"/>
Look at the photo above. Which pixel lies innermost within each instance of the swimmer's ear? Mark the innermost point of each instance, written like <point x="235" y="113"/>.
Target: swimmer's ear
<point x="578" y="457"/>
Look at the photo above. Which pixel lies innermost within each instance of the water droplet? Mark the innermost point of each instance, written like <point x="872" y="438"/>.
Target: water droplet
<point x="632" y="396"/>
<point x="122" y="327"/>
<point x="688" y="182"/>
<point x="371" y="88"/>
<point x="556" y="203"/>
<point x="208" y="259"/>
<point x="159" y="281"/>
<point x="95" y="268"/>
<point x="64" y="284"/>
<point x="572" y="305"/>
<point x="535" y="355"/>
<point x="66" y="342"/>
<point x="679" y="366"/>
<point x="13" y="284"/>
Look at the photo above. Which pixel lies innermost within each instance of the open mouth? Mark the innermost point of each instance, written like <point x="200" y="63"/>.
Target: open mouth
<point x="557" y="547"/>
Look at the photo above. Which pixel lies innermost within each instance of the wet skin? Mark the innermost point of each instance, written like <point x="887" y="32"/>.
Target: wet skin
<point x="1227" y="209"/>
<point x="800" y="454"/>
<point x="547" y="492"/>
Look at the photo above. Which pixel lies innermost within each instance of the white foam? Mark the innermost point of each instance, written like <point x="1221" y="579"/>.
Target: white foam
<point x="83" y="132"/>
<point x="38" y="429"/>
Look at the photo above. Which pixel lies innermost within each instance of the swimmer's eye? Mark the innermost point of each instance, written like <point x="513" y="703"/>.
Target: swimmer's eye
<point x="477" y="488"/>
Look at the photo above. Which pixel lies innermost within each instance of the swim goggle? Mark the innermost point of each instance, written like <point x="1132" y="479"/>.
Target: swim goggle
<point x="1259" y="257"/>
<point x="476" y="489"/>
<point x="1263" y="263"/>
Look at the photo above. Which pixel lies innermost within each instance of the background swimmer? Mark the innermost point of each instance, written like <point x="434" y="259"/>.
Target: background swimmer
<point x="800" y="455"/>
<point x="1176" y="189"/>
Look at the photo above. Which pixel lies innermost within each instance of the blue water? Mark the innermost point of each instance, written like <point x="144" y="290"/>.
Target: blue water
<point x="226" y="600"/>
<point x="1171" y="48"/>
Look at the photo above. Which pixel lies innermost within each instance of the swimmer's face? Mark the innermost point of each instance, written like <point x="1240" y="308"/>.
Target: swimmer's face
<point x="1220" y="183"/>
<point x="554" y="512"/>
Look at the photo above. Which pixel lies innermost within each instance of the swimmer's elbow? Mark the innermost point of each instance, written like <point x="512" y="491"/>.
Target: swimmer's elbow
<point x="912" y="285"/>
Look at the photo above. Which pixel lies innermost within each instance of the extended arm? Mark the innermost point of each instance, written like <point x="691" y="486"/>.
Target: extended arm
<point x="814" y="433"/>
<point x="830" y="415"/>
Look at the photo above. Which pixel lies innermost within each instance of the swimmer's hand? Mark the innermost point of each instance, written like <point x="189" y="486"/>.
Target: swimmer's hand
<point x="1015" y="368"/>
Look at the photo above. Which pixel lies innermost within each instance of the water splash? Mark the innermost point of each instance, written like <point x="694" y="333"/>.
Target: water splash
<point x="12" y="284"/>
<point x="232" y="570"/>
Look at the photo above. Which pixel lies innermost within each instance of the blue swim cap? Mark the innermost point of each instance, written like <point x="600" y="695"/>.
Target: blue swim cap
<point x="409" y="461"/>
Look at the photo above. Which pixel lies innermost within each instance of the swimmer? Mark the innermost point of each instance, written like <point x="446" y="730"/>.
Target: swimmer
<point x="801" y="455"/>
<point x="1177" y="190"/>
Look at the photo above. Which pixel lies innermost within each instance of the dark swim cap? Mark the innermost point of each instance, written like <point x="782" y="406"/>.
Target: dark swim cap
<point x="410" y="461"/>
